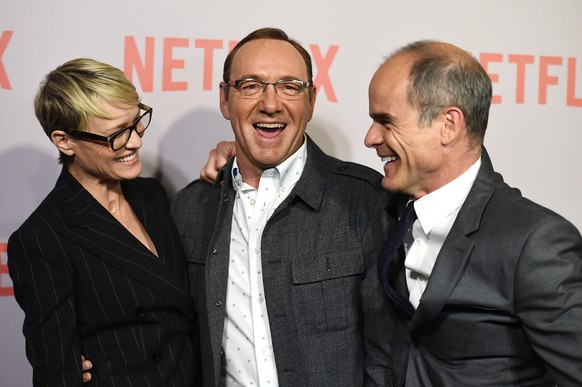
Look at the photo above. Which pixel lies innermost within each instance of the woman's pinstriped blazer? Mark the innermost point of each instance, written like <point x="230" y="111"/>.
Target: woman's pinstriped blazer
<point x="87" y="286"/>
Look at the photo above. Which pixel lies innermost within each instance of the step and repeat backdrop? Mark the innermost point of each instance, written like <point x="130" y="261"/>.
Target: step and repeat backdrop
<point x="173" y="51"/>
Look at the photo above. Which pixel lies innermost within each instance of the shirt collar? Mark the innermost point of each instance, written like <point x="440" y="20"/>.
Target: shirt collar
<point x="289" y="171"/>
<point x="431" y="209"/>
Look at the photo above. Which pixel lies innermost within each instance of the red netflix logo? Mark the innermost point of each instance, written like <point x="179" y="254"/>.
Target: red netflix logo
<point x="4" y="40"/>
<point x="546" y="72"/>
<point x="5" y="282"/>
<point x="140" y="63"/>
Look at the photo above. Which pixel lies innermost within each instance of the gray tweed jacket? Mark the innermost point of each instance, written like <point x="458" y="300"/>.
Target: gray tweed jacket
<point x="328" y="316"/>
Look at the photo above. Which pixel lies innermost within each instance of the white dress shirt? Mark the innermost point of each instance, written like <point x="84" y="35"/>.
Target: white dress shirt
<point x="436" y="213"/>
<point x="246" y="341"/>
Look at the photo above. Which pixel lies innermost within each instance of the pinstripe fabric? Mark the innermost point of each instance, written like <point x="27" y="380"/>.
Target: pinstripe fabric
<point x="87" y="286"/>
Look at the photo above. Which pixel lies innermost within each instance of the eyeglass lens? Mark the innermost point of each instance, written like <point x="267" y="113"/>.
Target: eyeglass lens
<point x="288" y="89"/>
<point x="140" y="125"/>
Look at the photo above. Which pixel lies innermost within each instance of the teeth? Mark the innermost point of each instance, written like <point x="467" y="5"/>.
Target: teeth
<point x="389" y="159"/>
<point x="270" y="126"/>
<point x="128" y="158"/>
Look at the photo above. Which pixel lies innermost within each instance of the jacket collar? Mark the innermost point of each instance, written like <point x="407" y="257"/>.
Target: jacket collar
<point x="309" y="188"/>
<point x="91" y="226"/>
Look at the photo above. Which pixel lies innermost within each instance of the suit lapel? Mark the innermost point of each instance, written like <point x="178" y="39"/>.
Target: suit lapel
<point x="91" y="226"/>
<point x="447" y="271"/>
<point x="148" y="214"/>
<point x="311" y="186"/>
<point x="458" y="247"/>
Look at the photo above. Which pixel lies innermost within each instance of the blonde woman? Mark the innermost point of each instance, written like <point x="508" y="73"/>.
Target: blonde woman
<point x="98" y="268"/>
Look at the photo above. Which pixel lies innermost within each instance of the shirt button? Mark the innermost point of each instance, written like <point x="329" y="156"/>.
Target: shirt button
<point x="214" y="251"/>
<point x="156" y="356"/>
<point x="218" y="303"/>
<point x="283" y="189"/>
<point x="139" y="312"/>
<point x="252" y="201"/>
<point x="261" y="299"/>
<point x="256" y="251"/>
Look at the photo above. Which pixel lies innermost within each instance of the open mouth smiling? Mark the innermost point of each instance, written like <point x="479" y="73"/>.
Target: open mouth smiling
<point x="126" y="158"/>
<point x="388" y="159"/>
<point x="269" y="126"/>
<point x="269" y="129"/>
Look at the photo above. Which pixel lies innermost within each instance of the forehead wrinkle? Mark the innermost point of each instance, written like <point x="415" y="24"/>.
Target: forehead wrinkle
<point x="260" y="55"/>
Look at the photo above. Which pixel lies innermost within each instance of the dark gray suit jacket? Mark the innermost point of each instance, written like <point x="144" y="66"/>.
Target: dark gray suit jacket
<point x="503" y="306"/>
<point x="328" y="318"/>
<point x="87" y="286"/>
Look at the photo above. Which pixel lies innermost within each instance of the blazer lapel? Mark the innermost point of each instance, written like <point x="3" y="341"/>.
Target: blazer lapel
<point x="447" y="271"/>
<point x="311" y="187"/>
<point x="91" y="226"/>
<point x="457" y="249"/>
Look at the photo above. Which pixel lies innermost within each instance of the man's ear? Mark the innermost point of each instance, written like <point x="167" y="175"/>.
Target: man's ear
<point x="454" y="126"/>
<point x="63" y="142"/>
<point x="223" y="100"/>
<point x="312" y="98"/>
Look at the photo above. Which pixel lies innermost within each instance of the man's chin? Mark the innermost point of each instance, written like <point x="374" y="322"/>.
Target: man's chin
<point x="389" y="184"/>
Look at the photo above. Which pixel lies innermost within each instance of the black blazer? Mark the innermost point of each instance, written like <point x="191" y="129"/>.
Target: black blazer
<point x="503" y="306"/>
<point x="87" y="286"/>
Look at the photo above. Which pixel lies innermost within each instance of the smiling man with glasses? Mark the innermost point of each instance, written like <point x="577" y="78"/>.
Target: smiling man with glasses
<point x="282" y="249"/>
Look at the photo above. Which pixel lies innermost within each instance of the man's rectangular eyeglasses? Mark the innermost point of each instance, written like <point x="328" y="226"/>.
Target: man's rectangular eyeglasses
<point x="120" y="138"/>
<point x="254" y="88"/>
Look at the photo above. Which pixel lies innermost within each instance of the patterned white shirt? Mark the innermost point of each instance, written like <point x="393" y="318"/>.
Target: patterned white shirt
<point x="246" y="341"/>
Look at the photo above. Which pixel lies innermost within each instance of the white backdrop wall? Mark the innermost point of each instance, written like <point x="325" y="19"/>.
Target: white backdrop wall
<point x="174" y="50"/>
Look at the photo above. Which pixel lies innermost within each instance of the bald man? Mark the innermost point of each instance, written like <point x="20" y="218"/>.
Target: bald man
<point x="488" y="289"/>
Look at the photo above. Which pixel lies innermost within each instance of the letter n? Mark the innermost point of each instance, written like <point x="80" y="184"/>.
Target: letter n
<point x="144" y="69"/>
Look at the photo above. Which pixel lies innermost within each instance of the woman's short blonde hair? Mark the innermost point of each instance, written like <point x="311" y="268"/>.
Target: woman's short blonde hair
<point x="74" y="92"/>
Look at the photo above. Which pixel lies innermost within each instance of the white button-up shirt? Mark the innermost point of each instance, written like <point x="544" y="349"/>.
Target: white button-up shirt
<point x="246" y="341"/>
<point x="436" y="213"/>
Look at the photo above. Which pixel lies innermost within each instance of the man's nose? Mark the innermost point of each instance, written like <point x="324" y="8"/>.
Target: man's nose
<point x="270" y="99"/>
<point x="373" y="136"/>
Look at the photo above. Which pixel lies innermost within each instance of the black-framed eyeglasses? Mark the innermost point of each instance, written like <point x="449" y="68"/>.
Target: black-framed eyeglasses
<point x="120" y="138"/>
<point x="254" y="88"/>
